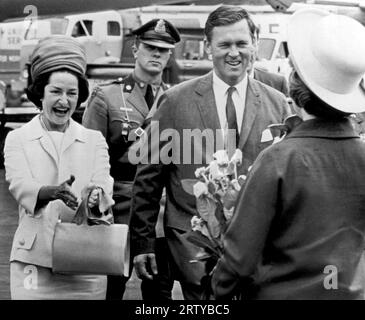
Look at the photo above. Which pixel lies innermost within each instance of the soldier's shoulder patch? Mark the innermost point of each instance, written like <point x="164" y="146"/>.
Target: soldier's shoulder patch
<point x="96" y="91"/>
<point x="100" y="88"/>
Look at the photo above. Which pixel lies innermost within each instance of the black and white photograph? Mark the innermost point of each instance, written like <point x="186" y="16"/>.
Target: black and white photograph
<point x="206" y="152"/>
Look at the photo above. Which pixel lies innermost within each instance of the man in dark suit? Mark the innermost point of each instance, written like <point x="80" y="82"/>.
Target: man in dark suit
<point x="273" y="80"/>
<point x="224" y="101"/>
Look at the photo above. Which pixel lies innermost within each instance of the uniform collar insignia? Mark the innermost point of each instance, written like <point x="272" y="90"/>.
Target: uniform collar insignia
<point x="160" y="26"/>
<point x="129" y="83"/>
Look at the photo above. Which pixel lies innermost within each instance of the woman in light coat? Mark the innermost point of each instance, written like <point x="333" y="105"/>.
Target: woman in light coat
<point x="49" y="162"/>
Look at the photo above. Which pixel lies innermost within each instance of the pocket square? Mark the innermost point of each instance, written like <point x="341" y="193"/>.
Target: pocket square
<point x="266" y="136"/>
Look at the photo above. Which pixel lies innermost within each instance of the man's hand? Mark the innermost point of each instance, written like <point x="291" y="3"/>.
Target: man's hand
<point x="145" y="265"/>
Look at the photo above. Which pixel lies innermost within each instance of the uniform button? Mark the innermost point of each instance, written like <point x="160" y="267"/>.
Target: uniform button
<point x="22" y="242"/>
<point x="128" y="87"/>
<point x="141" y="84"/>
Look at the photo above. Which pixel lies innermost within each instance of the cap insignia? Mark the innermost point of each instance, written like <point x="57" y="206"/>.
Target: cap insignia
<point x="160" y="26"/>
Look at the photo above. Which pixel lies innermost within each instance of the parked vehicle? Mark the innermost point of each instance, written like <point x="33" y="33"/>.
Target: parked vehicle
<point x="108" y="48"/>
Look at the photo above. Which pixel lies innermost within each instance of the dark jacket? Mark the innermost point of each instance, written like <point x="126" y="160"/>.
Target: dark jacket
<point x="273" y="80"/>
<point x="191" y="105"/>
<point x="299" y="219"/>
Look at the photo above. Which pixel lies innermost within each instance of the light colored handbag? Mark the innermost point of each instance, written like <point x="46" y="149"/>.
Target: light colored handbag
<point x="91" y="245"/>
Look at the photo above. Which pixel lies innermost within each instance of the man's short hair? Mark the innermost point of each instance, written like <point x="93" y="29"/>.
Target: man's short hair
<point x="227" y="15"/>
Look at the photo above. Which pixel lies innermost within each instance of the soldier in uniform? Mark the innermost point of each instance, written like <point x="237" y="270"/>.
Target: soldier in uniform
<point x="121" y="110"/>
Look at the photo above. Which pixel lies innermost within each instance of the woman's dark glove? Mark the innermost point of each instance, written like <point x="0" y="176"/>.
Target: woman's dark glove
<point x="62" y="192"/>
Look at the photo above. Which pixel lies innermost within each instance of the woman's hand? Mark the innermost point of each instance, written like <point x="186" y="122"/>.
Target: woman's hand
<point x="93" y="198"/>
<point x="61" y="192"/>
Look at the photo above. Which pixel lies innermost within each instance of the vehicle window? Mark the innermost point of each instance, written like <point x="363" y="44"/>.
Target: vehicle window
<point x="89" y="26"/>
<point x="113" y="28"/>
<point x="78" y="30"/>
<point x="43" y="28"/>
<point x="266" y="48"/>
<point x="190" y="49"/>
<point x="283" y="51"/>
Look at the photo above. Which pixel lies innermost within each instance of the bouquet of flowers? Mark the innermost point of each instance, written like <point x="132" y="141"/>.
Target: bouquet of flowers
<point x="216" y="189"/>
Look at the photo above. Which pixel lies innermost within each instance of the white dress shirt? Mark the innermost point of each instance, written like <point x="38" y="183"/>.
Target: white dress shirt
<point x="238" y="96"/>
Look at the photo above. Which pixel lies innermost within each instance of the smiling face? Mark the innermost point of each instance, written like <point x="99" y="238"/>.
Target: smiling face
<point x="59" y="100"/>
<point x="232" y="51"/>
<point x="150" y="60"/>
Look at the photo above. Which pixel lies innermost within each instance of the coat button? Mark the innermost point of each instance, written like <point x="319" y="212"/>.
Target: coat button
<point x="22" y="242"/>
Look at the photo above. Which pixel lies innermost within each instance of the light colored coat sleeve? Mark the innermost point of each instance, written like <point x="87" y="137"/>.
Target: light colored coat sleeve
<point x="22" y="186"/>
<point x="101" y="176"/>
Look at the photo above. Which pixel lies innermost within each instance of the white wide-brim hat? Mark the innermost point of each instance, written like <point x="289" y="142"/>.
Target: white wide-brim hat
<point x="328" y="53"/>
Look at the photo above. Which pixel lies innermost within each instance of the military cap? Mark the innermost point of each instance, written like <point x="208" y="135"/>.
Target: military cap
<point x="158" y="32"/>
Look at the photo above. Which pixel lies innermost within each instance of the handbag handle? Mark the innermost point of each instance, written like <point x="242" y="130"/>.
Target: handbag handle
<point x="86" y="215"/>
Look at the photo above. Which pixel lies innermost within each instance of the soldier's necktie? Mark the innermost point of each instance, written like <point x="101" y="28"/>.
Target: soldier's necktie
<point x="149" y="96"/>
<point x="231" y="115"/>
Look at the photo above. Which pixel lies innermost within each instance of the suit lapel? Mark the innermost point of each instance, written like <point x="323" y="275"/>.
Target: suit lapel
<point x="36" y="132"/>
<point x="73" y="133"/>
<point x="252" y="105"/>
<point x="206" y="102"/>
<point x="48" y="146"/>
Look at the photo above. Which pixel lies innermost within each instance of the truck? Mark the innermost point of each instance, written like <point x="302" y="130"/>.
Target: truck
<point x="101" y="33"/>
<point x="104" y="37"/>
<point x="11" y="38"/>
<point x="189" y="58"/>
